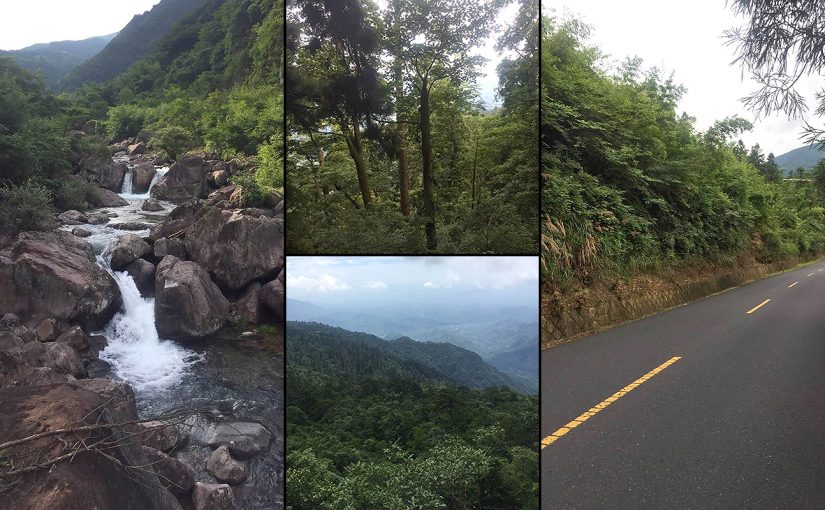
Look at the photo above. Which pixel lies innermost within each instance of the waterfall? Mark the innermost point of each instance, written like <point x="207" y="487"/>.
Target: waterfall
<point x="135" y="352"/>
<point x="126" y="187"/>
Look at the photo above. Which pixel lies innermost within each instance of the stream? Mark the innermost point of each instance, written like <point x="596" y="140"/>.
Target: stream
<point x="233" y="375"/>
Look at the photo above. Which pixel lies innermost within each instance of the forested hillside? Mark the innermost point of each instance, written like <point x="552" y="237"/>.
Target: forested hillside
<point x="802" y="157"/>
<point x="132" y="43"/>
<point x="55" y="60"/>
<point x="390" y="147"/>
<point x="368" y="431"/>
<point x="630" y="185"/>
<point x="213" y="83"/>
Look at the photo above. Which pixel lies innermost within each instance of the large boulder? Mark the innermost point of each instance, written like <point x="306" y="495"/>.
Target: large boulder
<point x="248" y="305"/>
<point x="185" y="180"/>
<point x="37" y="363"/>
<point x="115" y="478"/>
<point x="273" y="295"/>
<point x="173" y="474"/>
<point x="126" y="249"/>
<point x="143" y="273"/>
<point x="104" y="171"/>
<point x="237" y="248"/>
<point x="219" y="434"/>
<point x="75" y="338"/>
<point x="142" y="176"/>
<point x="160" y="435"/>
<point x="179" y="220"/>
<point x="212" y="496"/>
<point x="151" y="205"/>
<point x="102" y="197"/>
<point x="224" y="468"/>
<point x="136" y="149"/>
<point x="55" y="274"/>
<point x="164" y="247"/>
<point x="188" y="304"/>
<point x="72" y="217"/>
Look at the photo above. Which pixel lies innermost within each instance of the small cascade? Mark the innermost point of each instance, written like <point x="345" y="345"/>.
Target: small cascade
<point x="135" y="352"/>
<point x="126" y="187"/>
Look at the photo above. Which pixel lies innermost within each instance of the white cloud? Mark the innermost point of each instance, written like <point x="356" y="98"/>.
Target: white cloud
<point x="323" y="283"/>
<point x="375" y="285"/>
<point x="431" y="285"/>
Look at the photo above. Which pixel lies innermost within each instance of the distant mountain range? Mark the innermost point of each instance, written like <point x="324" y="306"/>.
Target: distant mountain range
<point x="325" y="349"/>
<point x="133" y="42"/>
<point x="806" y="157"/>
<point x="55" y="60"/>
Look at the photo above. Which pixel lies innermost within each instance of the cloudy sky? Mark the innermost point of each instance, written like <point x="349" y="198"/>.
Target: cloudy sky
<point x="26" y="22"/>
<point x="324" y="280"/>
<point x="686" y="38"/>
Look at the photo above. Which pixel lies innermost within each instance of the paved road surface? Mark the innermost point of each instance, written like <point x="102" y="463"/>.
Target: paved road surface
<point x="703" y="406"/>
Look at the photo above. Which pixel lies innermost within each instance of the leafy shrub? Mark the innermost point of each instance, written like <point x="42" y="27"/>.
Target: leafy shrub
<point x="252" y="193"/>
<point x="27" y="206"/>
<point x="173" y="140"/>
<point x="72" y="193"/>
<point x="124" y="121"/>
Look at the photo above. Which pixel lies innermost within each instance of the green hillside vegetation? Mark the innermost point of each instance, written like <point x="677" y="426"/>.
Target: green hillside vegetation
<point x="37" y="151"/>
<point x="363" y="435"/>
<point x="390" y="146"/>
<point x="132" y="43"/>
<point x="55" y="60"/>
<point x="218" y="90"/>
<point x="629" y="185"/>
<point x="215" y="82"/>
<point x="445" y="361"/>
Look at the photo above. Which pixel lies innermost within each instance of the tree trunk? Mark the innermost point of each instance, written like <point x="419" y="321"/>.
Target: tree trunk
<point x="356" y="151"/>
<point x="403" y="158"/>
<point x="475" y="160"/>
<point x="318" y="192"/>
<point x="427" y="158"/>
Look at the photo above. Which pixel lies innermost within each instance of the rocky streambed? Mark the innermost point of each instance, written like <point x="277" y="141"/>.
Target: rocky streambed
<point x="160" y="311"/>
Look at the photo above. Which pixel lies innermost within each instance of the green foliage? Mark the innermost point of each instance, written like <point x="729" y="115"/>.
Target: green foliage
<point x="173" y="140"/>
<point x="630" y="185"/>
<point x="344" y="187"/>
<point x="124" y="121"/>
<point x="70" y="193"/>
<point x="132" y="43"/>
<point x="27" y="206"/>
<point x="368" y="430"/>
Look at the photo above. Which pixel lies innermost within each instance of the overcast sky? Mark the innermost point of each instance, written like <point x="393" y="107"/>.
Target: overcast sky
<point x="26" y="22"/>
<point x="686" y="38"/>
<point x="376" y="279"/>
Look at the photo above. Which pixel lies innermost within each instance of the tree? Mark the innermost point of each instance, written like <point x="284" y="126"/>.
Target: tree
<point x="173" y="140"/>
<point x="335" y="76"/>
<point x="780" y="43"/>
<point x="437" y="37"/>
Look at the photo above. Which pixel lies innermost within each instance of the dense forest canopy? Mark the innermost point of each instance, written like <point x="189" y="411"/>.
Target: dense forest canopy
<point x="629" y="184"/>
<point x="390" y="147"/>
<point x="214" y="83"/>
<point x="370" y="430"/>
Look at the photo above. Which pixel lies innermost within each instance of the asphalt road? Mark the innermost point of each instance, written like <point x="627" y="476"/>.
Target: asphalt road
<point x="716" y="407"/>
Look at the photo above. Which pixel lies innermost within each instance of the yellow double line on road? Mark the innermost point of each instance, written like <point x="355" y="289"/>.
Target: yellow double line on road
<point x="552" y="438"/>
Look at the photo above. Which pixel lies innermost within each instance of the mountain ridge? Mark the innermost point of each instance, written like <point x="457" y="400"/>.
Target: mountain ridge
<point x="56" y="59"/>
<point x="444" y="362"/>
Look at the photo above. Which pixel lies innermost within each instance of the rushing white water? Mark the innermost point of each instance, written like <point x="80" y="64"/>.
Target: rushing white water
<point x="135" y="352"/>
<point x="126" y="189"/>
